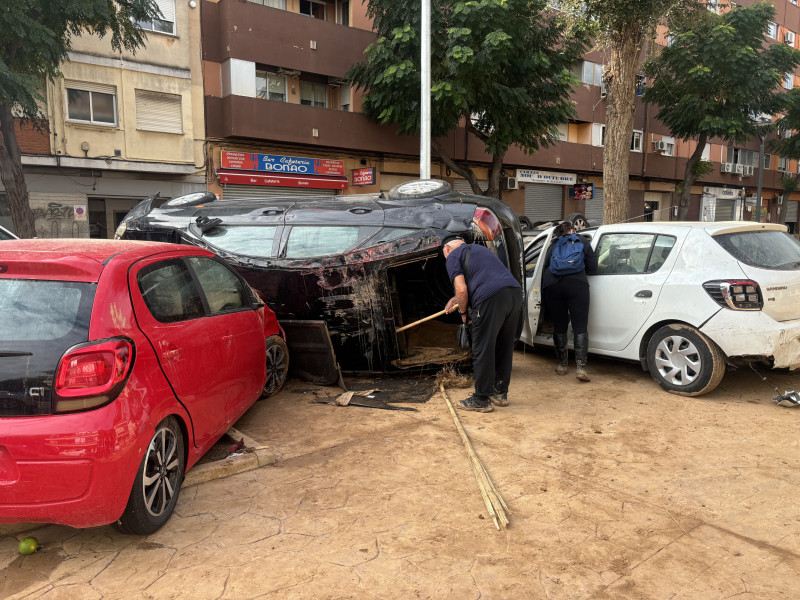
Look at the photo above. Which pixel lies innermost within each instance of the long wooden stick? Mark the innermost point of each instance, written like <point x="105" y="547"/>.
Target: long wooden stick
<point x="415" y="323"/>
<point x="494" y="501"/>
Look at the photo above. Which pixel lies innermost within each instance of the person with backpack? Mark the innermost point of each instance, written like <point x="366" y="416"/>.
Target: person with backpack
<point x="565" y="291"/>
<point x="488" y="297"/>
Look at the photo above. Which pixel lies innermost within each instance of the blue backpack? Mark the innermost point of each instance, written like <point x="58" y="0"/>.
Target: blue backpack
<point x="567" y="257"/>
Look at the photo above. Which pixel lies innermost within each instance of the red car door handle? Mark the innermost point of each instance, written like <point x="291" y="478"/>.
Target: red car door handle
<point x="171" y="354"/>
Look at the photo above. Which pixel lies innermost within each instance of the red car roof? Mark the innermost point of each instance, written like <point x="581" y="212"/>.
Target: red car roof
<point x="76" y="259"/>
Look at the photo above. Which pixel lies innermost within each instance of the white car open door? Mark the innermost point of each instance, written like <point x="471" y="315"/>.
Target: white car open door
<point x="534" y="258"/>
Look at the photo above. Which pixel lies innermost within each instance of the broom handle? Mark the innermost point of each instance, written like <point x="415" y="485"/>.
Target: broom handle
<point x="415" y="323"/>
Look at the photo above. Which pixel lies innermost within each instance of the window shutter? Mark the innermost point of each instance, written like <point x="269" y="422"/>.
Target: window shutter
<point x="158" y="112"/>
<point x="167" y="8"/>
<point x="89" y="86"/>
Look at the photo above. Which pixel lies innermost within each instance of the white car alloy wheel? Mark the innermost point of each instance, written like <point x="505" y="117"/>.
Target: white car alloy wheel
<point x="684" y="361"/>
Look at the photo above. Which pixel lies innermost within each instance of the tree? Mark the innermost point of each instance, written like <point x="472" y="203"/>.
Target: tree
<point x="789" y="147"/>
<point x="623" y="26"/>
<point x="35" y="36"/>
<point x="499" y="68"/>
<point x="714" y="79"/>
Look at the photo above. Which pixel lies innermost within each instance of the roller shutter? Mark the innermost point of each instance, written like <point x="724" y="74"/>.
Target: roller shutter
<point x="791" y="211"/>
<point x="725" y="209"/>
<point x="543" y="202"/>
<point x="233" y="192"/>
<point x="594" y="207"/>
<point x="158" y="112"/>
<point x="463" y="186"/>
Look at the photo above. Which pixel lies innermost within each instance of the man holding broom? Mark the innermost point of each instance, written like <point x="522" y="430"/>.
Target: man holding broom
<point x="489" y="298"/>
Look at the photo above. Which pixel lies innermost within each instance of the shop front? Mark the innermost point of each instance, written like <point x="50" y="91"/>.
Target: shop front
<point x="253" y="175"/>
<point x="723" y="204"/>
<point x="544" y="193"/>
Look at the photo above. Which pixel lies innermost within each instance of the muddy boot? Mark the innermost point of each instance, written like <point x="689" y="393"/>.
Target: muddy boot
<point x="562" y="354"/>
<point x="581" y="352"/>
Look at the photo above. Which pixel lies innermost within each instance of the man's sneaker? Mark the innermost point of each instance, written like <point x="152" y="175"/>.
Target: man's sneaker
<point x="476" y="404"/>
<point x="499" y="399"/>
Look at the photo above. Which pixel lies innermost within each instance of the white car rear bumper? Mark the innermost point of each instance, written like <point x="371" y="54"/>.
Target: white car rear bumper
<point x="752" y="333"/>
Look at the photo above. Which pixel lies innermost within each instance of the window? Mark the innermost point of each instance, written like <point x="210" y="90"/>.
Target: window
<point x="223" y="290"/>
<point x="250" y="241"/>
<point x="636" y="141"/>
<point x="169" y="292"/>
<point x="344" y="14"/>
<point x="619" y="253"/>
<point x="668" y="146"/>
<point x="788" y="81"/>
<point x="767" y="160"/>
<point x="712" y="5"/>
<point x="589" y="72"/>
<point x="307" y="241"/>
<point x="271" y="3"/>
<point x="313" y="94"/>
<point x="641" y="80"/>
<point x="91" y="103"/>
<point x="783" y="164"/>
<point x="271" y="86"/>
<point x="166" y="24"/>
<point x="314" y="9"/>
<point x="740" y="156"/>
<point x="40" y="310"/>
<point x="344" y="100"/>
<point x="762" y="249"/>
<point x="158" y="112"/>
<point x="772" y="30"/>
<point x="598" y="134"/>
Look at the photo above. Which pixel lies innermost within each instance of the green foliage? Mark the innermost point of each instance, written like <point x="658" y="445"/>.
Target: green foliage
<point x="718" y="72"/>
<point x="502" y="66"/>
<point x="788" y="184"/>
<point x="702" y="168"/>
<point x="35" y="36"/>
<point x="790" y="121"/>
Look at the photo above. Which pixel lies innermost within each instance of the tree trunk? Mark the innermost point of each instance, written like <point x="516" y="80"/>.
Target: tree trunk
<point x="689" y="177"/>
<point x="620" y="77"/>
<point x="493" y="191"/>
<point x="12" y="176"/>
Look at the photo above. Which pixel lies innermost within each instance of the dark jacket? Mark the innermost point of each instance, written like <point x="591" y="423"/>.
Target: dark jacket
<point x="589" y="261"/>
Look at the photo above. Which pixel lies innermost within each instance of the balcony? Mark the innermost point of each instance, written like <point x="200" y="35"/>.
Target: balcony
<point x="270" y="36"/>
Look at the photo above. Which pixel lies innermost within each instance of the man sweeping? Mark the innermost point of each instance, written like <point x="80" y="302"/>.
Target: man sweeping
<point x="492" y="301"/>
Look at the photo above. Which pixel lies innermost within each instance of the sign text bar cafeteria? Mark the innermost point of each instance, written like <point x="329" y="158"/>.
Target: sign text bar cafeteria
<point x="276" y="163"/>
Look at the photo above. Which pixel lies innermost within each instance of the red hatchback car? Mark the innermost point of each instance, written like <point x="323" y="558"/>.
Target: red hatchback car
<point x="121" y="363"/>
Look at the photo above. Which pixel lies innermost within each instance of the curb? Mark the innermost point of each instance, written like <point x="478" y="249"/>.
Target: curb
<point x="255" y="456"/>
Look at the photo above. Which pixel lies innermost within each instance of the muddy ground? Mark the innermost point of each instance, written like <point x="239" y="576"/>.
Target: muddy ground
<point x="615" y="488"/>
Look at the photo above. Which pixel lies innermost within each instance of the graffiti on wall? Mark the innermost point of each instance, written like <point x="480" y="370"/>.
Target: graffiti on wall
<point x="57" y="220"/>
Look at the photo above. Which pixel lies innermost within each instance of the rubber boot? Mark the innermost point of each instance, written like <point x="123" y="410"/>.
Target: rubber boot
<point x="562" y="354"/>
<point x="581" y="352"/>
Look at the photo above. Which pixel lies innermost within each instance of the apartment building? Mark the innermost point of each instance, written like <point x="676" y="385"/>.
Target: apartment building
<point x="279" y="120"/>
<point x="122" y="126"/>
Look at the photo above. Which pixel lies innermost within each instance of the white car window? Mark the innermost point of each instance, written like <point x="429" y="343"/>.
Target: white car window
<point x="632" y="252"/>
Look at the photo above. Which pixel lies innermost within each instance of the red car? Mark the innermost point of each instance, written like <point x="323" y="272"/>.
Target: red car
<point x="121" y="363"/>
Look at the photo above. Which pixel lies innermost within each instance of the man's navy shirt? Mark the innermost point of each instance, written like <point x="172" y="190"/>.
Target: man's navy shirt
<point x="487" y="275"/>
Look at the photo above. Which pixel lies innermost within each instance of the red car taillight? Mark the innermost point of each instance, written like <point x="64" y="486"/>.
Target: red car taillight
<point x="91" y="375"/>
<point x="487" y="222"/>
<point x="738" y="294"/>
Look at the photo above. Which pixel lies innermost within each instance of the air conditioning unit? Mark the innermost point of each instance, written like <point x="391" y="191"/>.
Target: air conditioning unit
<point x="726" y="167"/>
<point x="738" y="169"/>
<point x="510" y="183"/>
<point x="789" y="38"/>
<point x="779" y="199"/>
<point x="748" y="171"/>
<point x="660" y="145"/>
<point x="603" y="91"/>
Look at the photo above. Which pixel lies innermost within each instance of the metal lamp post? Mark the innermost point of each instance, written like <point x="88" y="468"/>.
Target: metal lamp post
<point x="760" y="171"/>
<point x="425" y="93"/>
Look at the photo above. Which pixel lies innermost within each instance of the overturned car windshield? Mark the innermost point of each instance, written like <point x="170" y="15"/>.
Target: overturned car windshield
<point x="763" y="249"/>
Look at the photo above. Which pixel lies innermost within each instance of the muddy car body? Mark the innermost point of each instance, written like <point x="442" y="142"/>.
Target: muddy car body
<point x="363" y="265"/>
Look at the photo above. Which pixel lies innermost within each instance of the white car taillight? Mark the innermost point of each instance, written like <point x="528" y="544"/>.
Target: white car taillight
<point x="737" y="294"/>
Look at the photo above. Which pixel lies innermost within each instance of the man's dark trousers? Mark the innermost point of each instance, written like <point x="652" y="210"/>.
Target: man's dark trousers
<point x="494" y="328"/>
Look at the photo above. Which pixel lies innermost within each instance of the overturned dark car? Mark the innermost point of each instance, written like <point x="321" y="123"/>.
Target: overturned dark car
<point x="344" y="275"/>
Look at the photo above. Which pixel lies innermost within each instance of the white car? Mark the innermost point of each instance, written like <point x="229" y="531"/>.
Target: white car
<point x="685" y="299"/>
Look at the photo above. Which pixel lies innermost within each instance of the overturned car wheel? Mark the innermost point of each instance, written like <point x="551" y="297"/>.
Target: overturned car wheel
<point x="424" y="188"/>
<point x="578" y="221"/>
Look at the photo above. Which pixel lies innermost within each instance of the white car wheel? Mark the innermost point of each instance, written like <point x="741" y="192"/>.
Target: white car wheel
<point x="684" y="361"/>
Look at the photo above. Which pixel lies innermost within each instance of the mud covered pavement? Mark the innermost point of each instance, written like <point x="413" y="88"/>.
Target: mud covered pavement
<point x="615" y="489"/>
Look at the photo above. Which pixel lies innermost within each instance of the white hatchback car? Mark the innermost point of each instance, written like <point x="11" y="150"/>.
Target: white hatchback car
<point x="685" y="299"/>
